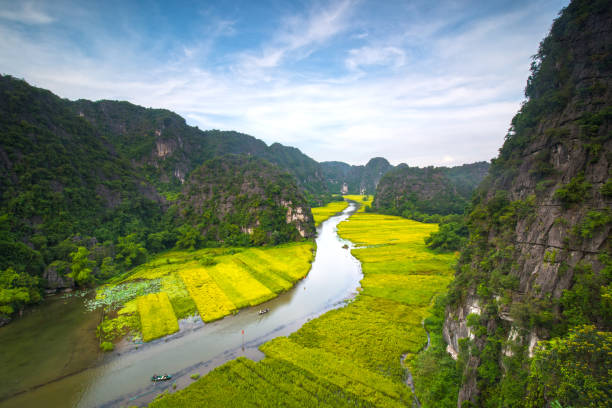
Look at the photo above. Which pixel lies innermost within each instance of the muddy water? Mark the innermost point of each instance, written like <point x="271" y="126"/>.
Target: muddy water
<point x="123" y="378"/>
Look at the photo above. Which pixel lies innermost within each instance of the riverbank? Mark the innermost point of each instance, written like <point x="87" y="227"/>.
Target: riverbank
<point x="122" y="378"/>
<point x="349" y="356"/>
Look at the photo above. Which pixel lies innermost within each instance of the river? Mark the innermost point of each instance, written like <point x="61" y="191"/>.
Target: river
<point x="50" y="356"/>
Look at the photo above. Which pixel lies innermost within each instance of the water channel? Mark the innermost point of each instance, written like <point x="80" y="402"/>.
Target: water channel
<point x="50" y="356"/>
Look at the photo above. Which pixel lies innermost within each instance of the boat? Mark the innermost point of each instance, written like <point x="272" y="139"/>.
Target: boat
<point x="263" y="311"/>
<point x="164" y="377"/>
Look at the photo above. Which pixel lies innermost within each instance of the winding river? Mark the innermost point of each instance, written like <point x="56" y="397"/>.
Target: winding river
<point x="50" y="356"/>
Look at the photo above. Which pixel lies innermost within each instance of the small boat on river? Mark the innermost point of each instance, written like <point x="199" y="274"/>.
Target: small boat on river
<point x="263" y="311"/>
<point x="164" y="377"/>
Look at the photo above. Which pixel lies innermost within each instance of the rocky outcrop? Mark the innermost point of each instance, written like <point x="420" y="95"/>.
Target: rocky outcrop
<point x="246" y="194"/>
<point x="55" y="276"/>
<point x="541" y="220"/>
<point x="297" y="216"/>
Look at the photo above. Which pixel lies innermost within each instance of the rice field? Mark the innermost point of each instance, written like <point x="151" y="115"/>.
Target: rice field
<point x="364" y="200"/>
<point x="349" y="356"/>
<point x="211" y="282"/>
<point x="321" y="214"/>
<point x="157" y="317"/>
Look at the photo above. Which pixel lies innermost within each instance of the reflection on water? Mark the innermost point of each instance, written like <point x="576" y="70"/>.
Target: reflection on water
<point x="123" y="378"/>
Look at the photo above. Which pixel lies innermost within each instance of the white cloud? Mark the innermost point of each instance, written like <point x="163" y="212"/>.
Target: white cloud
<point x="299" y="36"/>
<point x="25" y="12"/>
<point x="449" y="106"/>
<point x="367" y="55"/>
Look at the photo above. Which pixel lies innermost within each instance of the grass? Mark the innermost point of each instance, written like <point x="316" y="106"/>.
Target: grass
<point x="321" y="214"/>
<point x="367" y="202"/>
<point x="190" y="283"/>
<point x="349" y="356"/>
<point x="157" y="317"/>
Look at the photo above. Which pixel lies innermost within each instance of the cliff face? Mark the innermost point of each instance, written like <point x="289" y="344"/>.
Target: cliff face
<point x="430" y="190"/>
<point x="234" y="197"/>
<point x="537" y="262"/>
<point x="358" y="179"/>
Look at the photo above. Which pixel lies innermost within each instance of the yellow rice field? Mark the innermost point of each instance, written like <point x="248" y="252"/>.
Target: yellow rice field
<point x="321" y="214"/>
<point x="157" y="318"/>
<point x="364" y="200"/>
<point x="211" y="301"/>
<point x="351" y="356"/>
<point x="213" y="282"/>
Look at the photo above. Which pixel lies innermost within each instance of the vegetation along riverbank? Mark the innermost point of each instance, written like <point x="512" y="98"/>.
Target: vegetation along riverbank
<point x="212" y="282"/>
<point x="350" y="356"/>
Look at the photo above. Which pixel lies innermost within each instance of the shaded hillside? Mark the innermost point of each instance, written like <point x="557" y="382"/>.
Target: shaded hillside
<point x="240" y="200"/>
<point x="358" y="179"/>
<point x="59" y="177"/>
<point x="414" y="192"/>
<point x="537" y="266"/>
<point x="167" y="149"/>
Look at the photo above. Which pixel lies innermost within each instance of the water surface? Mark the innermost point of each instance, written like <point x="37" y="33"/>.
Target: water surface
<point x="123" y="378"/>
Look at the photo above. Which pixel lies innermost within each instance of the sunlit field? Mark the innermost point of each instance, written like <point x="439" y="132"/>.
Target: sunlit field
<point x="157" y="318"/>
<point x="211" y="282"/>
<point x="349" y="356"/>
<point x="321" y="214"/>
<point x="364" y="200"/>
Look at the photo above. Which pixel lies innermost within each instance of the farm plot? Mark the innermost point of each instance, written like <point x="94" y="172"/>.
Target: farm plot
<point x="157" y="318"/>
<point x="321" y="214"/>
<point x="211" y="301"/>
<point x="213" y="282"/>
<point x="364" y="200"/>
<point x="348" y="356"/>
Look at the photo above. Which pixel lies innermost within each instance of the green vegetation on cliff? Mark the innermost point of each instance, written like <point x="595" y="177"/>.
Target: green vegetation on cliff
<point x="425" y="194"/>
<point x="241" y="200"/>
<point x="533" y="282"/>
<point x="357" y="179"/>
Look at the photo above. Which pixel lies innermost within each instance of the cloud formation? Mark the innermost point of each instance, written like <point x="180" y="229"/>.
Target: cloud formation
<point x="345" y="80"/>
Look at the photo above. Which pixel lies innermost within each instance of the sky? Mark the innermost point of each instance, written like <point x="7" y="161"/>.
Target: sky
<point x="417" y="81"/>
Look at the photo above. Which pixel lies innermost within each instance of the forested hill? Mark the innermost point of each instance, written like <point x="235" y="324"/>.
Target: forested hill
<point x="529" y="315"/>
<point x="89" y="189"/>
<point x="242" y="200"/>
<point x="166" y="149"/>
<point x="415" y="192"/>
<point x="357" y="179"/>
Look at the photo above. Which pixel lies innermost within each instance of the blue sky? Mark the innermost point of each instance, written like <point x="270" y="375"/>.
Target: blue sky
<point x="421" y="82"/>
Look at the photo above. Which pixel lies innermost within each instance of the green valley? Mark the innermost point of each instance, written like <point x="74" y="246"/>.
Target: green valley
<point x="357" y="353"/>
<point x="422" y="217"/>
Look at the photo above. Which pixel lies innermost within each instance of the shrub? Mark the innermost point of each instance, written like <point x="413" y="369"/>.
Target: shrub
<point x="573" y="192"/>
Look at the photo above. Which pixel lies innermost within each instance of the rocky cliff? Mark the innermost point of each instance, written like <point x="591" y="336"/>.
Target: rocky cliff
<point x="238" y="198"/>
<point x="537" y="265"/>
<point x="357" y="179"/>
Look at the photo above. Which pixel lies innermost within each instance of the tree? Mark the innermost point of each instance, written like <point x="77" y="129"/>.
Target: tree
<point x="15" y="291"/>
<point x="82" y="266"/>
<point x="575" y="370"/>
<point x="189" y="238"/>
<point x="130" y="251"/>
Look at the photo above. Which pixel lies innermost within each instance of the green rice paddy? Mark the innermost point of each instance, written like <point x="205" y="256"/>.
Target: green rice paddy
<point x="349" y="356"/>
<point x="211" y="282"/>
